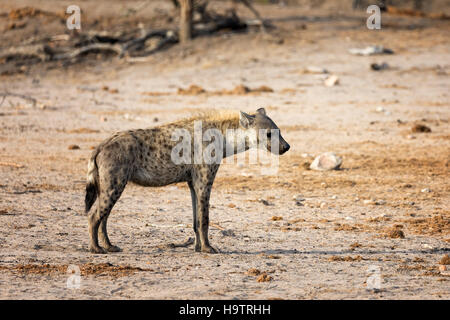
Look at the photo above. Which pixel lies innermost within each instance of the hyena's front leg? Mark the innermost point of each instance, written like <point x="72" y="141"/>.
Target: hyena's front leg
<point x="203" y="194"/>
<point x="197" y="243"/>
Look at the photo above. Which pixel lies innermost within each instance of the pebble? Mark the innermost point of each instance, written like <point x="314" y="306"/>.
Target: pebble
<point x="379" y="66"/>
<point x="265" y="202"/>
<point x="331" y="81"/>
<point x="313" y="69"/>
<point x="424" y="190"/>
<point x="228" y="233"/>
<point x="298" y="197"/>
<point x="420" y="128"/>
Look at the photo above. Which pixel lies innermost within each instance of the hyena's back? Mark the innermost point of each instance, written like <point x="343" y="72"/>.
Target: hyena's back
<point x="139" y="156"/>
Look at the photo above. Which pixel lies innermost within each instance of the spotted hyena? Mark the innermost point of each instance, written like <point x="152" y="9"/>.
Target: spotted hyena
<point x="145" y="157"/>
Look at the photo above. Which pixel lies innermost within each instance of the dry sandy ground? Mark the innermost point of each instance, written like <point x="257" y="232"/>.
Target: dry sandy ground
<point x="391" y="178"/>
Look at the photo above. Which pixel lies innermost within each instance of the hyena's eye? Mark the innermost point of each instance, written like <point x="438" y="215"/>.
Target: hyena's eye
<point x="269" y="134"/>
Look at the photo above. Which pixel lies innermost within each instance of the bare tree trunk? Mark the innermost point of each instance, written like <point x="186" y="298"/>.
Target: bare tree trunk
<point x="186" y="20"/>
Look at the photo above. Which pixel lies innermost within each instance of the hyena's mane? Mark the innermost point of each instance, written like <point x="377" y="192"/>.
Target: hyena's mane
<point x="220" y="119"/>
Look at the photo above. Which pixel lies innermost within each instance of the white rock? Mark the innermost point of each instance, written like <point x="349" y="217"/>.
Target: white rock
<point x="326" y="161"/>
<point x="425" y="190"/>
<point x="331" y="81"/>
<point x="370" y="50"/>
<point x="313" y="69"/>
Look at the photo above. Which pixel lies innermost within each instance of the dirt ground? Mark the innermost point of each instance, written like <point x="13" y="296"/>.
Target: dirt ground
<point x="387" y="209"/>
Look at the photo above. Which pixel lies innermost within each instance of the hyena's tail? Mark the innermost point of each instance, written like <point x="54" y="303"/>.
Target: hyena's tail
<point x="92" y="183"/>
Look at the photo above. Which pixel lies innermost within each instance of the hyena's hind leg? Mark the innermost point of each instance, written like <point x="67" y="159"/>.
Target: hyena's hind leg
<point x="103" y="236"/>
<point x="112" y="184"/>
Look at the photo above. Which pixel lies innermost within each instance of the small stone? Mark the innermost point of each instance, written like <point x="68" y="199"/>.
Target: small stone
<point x="411" y="136"/>
<point x="425" y="190"/>
<point x="379" y="66"/>
<point x="369" y="201"/>
<point x="331" y="81"/>
<point x="265" y="202"/>
<point x="315" y="70"/>
<point x="370" y="50"/>
<point x="323" y="205"/>
<point x="326" y="161"/>
<point x="73" y="147"/>
<point x="380" y="202"/>
<point x="420" y="128"/>
<point x="334" y="197"/>
<point x="228" y="233"/>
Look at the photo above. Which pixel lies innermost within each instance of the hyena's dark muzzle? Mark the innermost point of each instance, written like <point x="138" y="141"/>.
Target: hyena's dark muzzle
<point x="284" y="146"/>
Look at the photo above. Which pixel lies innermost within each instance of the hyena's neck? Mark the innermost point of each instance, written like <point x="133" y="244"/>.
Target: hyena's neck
<point x="234" y="138"/>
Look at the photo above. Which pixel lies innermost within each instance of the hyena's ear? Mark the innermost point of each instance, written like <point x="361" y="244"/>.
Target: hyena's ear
<point x="246" y="120"/>
<point x="261" y="111"/>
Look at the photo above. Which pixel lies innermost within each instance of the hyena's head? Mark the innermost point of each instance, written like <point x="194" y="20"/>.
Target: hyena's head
<point x="264" y="131"/>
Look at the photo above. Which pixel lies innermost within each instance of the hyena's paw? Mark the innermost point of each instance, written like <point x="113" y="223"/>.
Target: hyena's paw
<point x="209" y="249"/>
<point x="112" y="248"/>
<point x="98" y="250"/>
<point x="197" y="247"/>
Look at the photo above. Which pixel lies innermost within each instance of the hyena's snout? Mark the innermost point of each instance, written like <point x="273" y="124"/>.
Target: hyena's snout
<point x="284" y="146"/>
